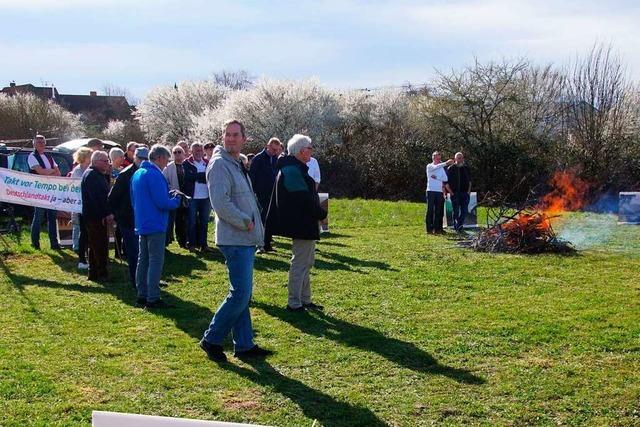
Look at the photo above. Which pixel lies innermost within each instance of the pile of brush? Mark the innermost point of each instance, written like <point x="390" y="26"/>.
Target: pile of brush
<point x="523" y="232"/>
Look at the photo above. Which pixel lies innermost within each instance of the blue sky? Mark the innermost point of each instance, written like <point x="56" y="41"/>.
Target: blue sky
<point x="81" y="45"/>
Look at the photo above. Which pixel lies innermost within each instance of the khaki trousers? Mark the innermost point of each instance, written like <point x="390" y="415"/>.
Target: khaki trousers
<point x="301" y="263"/>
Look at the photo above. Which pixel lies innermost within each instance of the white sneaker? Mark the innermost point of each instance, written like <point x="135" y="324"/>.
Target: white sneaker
<point x="83" y="266"/>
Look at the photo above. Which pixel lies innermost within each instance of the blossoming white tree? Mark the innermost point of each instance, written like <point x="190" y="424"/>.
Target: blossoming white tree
<point x="166" y="114"/>
<point x="276" y="108"/>
<point x="23" y="115"/>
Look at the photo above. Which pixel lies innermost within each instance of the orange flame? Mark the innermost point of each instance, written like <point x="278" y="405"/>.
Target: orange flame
<point x="569" y="194"/>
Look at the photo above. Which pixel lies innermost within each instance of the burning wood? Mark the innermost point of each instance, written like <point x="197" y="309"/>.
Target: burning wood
<point x="526" y="232"/>
<point x="529" y="230"/>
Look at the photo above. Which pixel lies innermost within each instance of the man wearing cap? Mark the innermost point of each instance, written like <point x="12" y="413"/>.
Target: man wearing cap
<point x="96" y="214"/>
<point x="120" y="202"/>
<point x="151" y="203"/>
<point x="42" y="163"/>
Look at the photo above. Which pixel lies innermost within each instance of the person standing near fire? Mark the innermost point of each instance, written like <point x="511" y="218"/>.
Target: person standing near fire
<point x="459" y="180"/>
<point x="436" y="185"/>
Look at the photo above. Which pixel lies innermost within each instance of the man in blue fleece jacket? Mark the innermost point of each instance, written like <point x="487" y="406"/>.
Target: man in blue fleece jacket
<point x="151" y="203"/>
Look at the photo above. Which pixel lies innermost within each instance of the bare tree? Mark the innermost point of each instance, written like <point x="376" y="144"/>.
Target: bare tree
<point x="110" y="89"/>
<point x="598" y="112"/>
<point x="234" y="80"/>
<point x="502" y="114"/>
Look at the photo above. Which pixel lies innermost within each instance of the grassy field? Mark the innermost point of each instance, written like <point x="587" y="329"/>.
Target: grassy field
<point x="416" y="331"/>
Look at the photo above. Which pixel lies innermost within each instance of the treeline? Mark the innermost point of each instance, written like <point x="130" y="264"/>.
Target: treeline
<point x="517" y="123"/>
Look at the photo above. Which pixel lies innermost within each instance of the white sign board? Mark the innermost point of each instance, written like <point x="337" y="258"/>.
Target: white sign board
<point x="116" y="419"/>
<point x="324" y="203"/>
<point x="49" y="192"/>
<point x="629" y="207"/>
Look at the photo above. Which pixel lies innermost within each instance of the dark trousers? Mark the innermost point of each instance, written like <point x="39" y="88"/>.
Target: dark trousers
<point x="460" y="205"/>
<point x="119" y="246"/>
<point x="199" y="210"/>
<point x="178" y="220"/>
<point x="131" y="246"/>
<point x="268" y="235"/>
<point x="435" y="211"/>
<point x="82" y="241"/>
<point x="98" y="241"/>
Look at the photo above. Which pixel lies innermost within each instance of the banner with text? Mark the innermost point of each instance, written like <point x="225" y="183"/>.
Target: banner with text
<point x="49" y="192"/>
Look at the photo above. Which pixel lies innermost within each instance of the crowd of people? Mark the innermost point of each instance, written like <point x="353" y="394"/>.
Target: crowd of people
<point x="148" y="195"/>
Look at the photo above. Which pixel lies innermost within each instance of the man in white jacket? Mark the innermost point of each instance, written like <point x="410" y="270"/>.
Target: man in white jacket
<point x="436" y="184"/>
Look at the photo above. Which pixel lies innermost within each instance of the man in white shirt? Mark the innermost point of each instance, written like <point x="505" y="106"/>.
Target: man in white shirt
<point x="199" y="206"/>
<point x="314" y="171"/>
<point x="436" y="184"/>
<point x="41" y="163"/>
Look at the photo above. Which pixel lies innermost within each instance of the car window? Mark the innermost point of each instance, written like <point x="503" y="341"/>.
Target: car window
<point x="64" y="162"/>
<point x="20" y="162"/>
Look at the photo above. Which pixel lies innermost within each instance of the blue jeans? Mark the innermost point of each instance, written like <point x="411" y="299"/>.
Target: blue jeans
<point x="150" y="262"/>
<point x="460" y="205"/>
<point x="199" y="210"/>
<point x="233" y="315"/>
<point x="52" y="227"/>
<point x="75" y="232"/>
<point x="131" y="248"/>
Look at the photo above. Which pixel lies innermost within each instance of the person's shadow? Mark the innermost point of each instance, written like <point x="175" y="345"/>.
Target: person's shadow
<point x="314" y="404"/>
<point x="402" y="353"/>
<point x="188" y="316"/>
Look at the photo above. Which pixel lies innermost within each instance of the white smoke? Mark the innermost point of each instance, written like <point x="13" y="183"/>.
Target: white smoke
<point x="596" y="231"/>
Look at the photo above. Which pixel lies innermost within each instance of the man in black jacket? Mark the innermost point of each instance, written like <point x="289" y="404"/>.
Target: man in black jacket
<point x="96" y="213"/>
<point x="120" y="201"/>
<point x="263" y="173"/>
<point x="294" y="212"/>
<point x="460" y="184"/>
<point x="195" y="183"/>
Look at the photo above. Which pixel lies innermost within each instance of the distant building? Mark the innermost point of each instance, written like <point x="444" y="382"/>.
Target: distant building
<point x="40" y="92"/>
<point x="93" y="108"/>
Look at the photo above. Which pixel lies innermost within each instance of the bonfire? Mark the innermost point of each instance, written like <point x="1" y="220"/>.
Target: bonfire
<point x="529" y="230"/>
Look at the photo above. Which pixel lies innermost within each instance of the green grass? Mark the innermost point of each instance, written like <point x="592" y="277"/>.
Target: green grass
<point x="416" y="332"/>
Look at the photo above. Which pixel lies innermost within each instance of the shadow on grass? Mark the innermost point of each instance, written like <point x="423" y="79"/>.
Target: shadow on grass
<point x="313" y="403"/>
<point x="177" y="265"/>
<point x="344" y="262"/>
<point x="271" y="262"/>
<point x="325" y="260"/>
<point x="189" y="317"/>
<point x="399" y="352"/>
